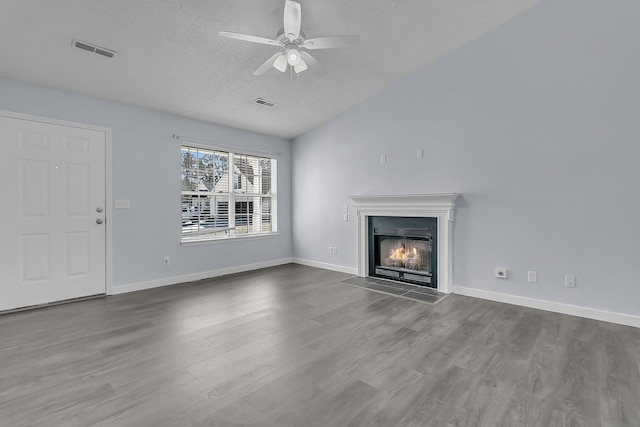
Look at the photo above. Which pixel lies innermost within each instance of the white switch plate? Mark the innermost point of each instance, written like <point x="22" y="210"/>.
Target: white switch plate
<point x="345" y="208"/>
<point x="570" y="281"/>
<point x="345" y="217"/>
<point x="420" y="153"/>
<point x="383" y="159"/>
<point x="122" y="203"/>
<point x="532" y="276"/>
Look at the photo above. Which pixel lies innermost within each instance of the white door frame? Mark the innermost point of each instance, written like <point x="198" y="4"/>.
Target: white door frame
<point x="108" y="178"/>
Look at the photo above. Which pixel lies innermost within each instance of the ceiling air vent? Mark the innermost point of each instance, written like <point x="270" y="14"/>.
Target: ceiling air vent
<point x="94" y="49"/>
<point x="264" y="103"/>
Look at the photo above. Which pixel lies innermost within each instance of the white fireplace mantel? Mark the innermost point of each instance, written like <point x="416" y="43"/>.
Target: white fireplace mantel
<point x="436" y="205"/>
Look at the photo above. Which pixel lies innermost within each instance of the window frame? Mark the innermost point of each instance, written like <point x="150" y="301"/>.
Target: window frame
<point x="235" y="196"/>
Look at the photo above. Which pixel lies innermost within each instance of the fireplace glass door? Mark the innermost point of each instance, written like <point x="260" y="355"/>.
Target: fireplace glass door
<point x="404" y="258"/>
<point x="404" y="253"/>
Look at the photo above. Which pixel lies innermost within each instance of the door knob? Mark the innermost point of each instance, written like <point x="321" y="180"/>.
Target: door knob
<point x="99" y="210"/>
<point x="99" y="221"/>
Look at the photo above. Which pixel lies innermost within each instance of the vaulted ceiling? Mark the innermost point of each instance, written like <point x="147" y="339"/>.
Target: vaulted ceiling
<point x="169" y="56"/>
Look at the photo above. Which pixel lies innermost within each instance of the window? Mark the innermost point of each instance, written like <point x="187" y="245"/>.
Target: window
<point x="226" y="195"/>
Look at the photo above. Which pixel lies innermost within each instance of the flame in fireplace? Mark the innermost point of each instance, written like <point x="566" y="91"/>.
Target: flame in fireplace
<point x="401" y="253"/>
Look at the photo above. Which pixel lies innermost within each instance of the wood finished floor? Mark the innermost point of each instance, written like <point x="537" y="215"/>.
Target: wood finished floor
<point x="289" y="346"/>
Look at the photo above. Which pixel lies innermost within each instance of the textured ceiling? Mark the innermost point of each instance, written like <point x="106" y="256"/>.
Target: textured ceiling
<point x="170" y="57"/>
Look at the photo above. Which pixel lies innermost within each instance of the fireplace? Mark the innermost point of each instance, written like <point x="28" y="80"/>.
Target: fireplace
<point x="404" y="249"/>
<point x="435" y="207"/>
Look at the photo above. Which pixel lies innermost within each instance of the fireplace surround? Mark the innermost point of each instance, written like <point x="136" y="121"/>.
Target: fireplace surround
<point x="439" y="207"/>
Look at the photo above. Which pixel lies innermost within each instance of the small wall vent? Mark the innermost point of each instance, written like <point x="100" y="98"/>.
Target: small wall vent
<point x="264" y="103"/>
<point x="94" y="49"/>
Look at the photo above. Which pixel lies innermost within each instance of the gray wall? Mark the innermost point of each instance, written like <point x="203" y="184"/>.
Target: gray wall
<point x="537" y="124"/>
<point x="146" y="170"/>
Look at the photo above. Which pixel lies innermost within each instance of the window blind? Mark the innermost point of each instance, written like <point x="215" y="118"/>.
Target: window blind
<point x="226" y="194"/>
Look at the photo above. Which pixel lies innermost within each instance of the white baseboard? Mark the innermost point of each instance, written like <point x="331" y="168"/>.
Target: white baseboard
<point x="326" y="266"/>
<point x="167" y="281"/>
<point x="589" y="313"/>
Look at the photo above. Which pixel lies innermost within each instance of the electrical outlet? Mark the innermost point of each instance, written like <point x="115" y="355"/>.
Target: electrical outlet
<point x="166" y="261"/>
<point x="330" y="250"/>
<point x="419" y="153"/>
<point x="570" y="281"/>
<point x="501" y="272"/>
<point x="532" y="276"/>
<point x="334" y="250"/>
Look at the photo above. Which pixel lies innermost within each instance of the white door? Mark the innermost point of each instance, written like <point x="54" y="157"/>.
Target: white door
<point x="52" y="212"/>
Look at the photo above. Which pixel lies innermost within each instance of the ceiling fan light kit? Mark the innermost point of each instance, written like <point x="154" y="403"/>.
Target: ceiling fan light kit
<point x="279" y="64"/>
<point x="293" y="56"/>
<point x="293" y="41"/>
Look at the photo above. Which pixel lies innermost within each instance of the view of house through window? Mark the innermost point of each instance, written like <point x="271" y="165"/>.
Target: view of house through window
<point x="226" y="194"/>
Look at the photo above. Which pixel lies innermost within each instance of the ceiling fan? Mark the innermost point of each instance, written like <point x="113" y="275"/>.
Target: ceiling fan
<point x="293" y="42"/>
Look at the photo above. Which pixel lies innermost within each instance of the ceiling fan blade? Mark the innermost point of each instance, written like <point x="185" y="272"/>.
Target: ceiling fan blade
<point x="292" y="18"/>
<point x="331" y="42"/>
<point x="249" y="38"/>
<point x="300" y="67"/>
<point x="311" y="61"/>
<point x="267" y="64"/>
<point x="280" y="63"/>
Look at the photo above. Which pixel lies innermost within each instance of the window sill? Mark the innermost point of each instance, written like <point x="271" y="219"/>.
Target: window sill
<point x="203" y="241"/>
